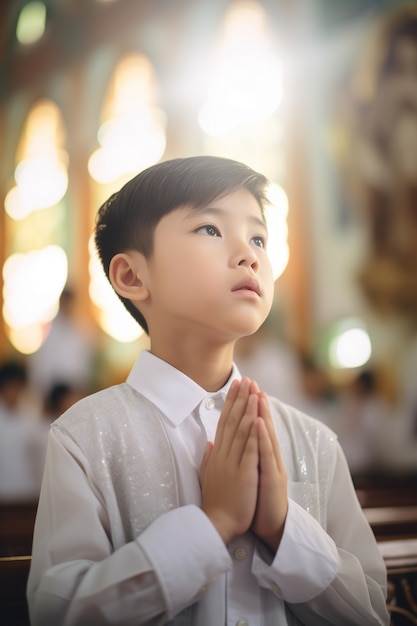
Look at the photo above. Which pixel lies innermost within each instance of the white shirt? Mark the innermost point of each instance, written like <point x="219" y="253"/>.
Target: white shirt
<point x="120" y="537"/>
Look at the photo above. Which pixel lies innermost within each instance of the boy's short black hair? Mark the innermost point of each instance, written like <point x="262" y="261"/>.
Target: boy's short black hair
<point x="127" y="220"/>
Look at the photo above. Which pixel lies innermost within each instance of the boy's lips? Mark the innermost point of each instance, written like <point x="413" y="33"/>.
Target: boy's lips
<point x="248" y="284"/>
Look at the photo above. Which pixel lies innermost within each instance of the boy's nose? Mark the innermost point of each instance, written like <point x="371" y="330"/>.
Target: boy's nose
<point x="247" y="257"/>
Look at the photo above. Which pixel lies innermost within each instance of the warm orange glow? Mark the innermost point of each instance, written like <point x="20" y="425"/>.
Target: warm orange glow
<point x="132" y="135"/>
<point x="33" y="283"/>
<point x="41" y="171"/>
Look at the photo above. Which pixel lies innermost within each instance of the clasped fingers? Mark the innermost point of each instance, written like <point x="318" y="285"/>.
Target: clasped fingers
<point x="238" y="414"/>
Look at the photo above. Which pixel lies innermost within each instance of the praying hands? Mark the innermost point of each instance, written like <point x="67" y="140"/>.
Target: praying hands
<point x="243" y="477"/>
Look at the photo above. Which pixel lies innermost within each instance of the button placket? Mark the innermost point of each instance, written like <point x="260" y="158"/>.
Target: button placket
<point x="241" y="553"/>
<point x="207" y="413"/>
<point x="209" y="404"/>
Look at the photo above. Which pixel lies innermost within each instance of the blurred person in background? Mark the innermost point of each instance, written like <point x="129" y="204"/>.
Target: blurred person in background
<point x="400" y="451"/>
<point x="361" y="422"/>
<point x="21" y="447"/>
<point x="67" y="354"/>
<point x="283" y="373"/>
<point x="271" y="361"/>
<point x="318" y="396"/>
<point x="59" y="398"/>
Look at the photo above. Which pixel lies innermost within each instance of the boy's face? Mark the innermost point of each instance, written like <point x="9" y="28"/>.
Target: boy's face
<point x="209" y="270"/>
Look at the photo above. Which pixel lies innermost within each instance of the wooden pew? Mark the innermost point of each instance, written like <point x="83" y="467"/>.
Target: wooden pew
<point x="400" y="557"/>
<point x="390" y="522"/>
<point x="386" y="490"/>
<point x="14" y="572"/>
<point x="389" y="496"/>
<point x="17" y="521"/>
<point x="389" y="504"/>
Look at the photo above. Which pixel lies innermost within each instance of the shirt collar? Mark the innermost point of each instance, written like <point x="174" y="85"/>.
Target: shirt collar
<point x="171" y="391"/>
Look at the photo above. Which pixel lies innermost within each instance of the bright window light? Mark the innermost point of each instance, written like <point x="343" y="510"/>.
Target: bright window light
<point x="33" y="283"/>
<point x="132" y="137"/>
<point x="276" y="217"/>
<point x="28" y="339"/>
<point x="42" y="158"/>
<point x="31" y="193"/>
<point x="245" y="79"/>
<point x="128" y="145"/>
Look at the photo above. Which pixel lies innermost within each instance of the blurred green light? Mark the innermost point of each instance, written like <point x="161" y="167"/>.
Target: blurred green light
<point x="31" y="23"/>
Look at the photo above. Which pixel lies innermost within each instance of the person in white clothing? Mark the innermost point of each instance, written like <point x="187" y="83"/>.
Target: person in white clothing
<point x="21" y="438"/>
<point x="187" y="496"/>
<point x="67" y="354"/>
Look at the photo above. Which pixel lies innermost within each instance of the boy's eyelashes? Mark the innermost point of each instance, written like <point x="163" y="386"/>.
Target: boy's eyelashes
<point x="208" y="229"/>
<point x="213" y="231"/>
<point x="259" y="241"/>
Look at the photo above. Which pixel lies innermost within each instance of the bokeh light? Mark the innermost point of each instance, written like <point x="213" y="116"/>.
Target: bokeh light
<point x="31" y="23"/>
<point x="276" y="217"/>
<point x="132" y="136"/>
<point x="245" y="77"/>
<point x="33" y="283"/>
<point x="350" y="346"/>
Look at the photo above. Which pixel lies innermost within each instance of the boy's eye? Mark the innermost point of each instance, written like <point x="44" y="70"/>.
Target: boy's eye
<point x="259" y="241"/>
<point x="209" y="229"/>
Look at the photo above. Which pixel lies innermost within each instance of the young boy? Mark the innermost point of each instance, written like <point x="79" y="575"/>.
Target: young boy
<point x="186" y="496"/>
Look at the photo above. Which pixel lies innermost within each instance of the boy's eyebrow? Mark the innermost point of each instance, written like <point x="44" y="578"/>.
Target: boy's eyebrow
<point x="215" y="211"/>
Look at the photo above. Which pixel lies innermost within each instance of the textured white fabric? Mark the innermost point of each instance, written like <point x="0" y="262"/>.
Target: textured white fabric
<point x="120" y="538"/>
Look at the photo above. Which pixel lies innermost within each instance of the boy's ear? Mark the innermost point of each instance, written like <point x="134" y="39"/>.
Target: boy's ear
<point x="126" y="275"/>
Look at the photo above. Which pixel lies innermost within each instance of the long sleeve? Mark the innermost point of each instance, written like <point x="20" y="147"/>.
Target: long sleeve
<point x="334" y="577"/>
<point x="120" y="538"/>
<point x="78" y="578"/>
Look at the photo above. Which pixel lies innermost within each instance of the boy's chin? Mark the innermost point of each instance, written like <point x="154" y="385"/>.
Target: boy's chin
<point x="250" y="333"/>
<point x="247" y="330"/>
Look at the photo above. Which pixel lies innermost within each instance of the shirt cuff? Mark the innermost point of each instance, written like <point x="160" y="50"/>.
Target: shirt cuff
<point x="187" y="554"/>
<point x="306" y="561"/>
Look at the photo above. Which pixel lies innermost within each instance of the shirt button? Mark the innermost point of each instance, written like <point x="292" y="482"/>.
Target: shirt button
<point x="241" y="554"/>
<point x="209" y="404"/>
<point x="242" y="622"/>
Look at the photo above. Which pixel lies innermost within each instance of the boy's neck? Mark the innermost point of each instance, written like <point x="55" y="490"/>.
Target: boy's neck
<point x="210" y="367"/>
